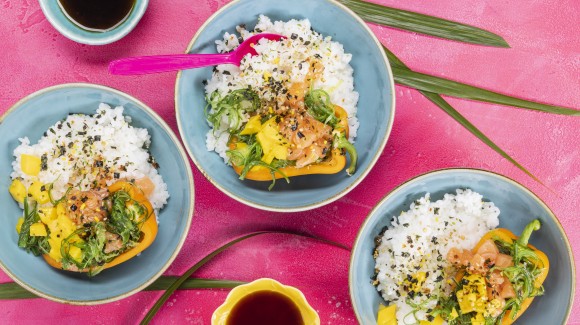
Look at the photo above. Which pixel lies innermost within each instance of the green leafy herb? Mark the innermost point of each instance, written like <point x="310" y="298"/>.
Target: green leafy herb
<point x="319" y="106"/>
<point x="125" y="217"/>
<point x="250" y="156"/>
<point x="340" y="141"/>
<point x="230" y="108"/>
<point x="36" y="245"/>
<point x="424" y="24"/>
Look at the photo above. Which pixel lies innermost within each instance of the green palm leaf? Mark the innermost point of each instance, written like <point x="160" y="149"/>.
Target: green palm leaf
<point x="423" y="24"/>
<point x="442" y="86"/>
<point x="12" y="290"/>
<point x="209" y="257"/>
<point x="396" y="63"/>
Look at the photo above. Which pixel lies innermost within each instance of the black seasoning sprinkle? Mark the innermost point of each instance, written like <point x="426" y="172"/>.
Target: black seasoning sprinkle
<point x="405" y="225"/>
<point x="43" y="162"/>
<point x="116" y="175"/>
<point x="436" y="211"/>
<point x="52" y="131"/>
<point x="405" y="254"/>
<point x="68" y="135"/>
<point x="300" y="135"/>
<point x="98" y="163"/>
<point x="204" y="82"/>
<point x="84" y="199"/>
<point x="97" y="138"/>
<point x="225" y="72"/>
<point x="43" y="188"/>
<point x="73" y="207"/>
<point x="293" y="36"/>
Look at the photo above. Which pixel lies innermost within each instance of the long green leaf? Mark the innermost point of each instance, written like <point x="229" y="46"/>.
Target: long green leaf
<point x="155" y="308"/>
<point x="423" y="24"/>
<point x="442" y="86"/>
<point x="12" y="290"/>
<point x="447" y="108"/>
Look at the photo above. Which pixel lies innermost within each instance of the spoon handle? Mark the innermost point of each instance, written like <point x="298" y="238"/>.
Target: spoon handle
<point x="164" y="63"/>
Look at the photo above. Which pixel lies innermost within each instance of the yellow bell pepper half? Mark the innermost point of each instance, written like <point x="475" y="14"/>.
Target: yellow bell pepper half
<point x="269" y="138"/>
<point x="542" y="263"/>
<point x="148" y="229"/>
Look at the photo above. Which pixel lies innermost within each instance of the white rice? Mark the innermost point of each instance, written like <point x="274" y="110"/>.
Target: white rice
<point x="283" y="63"/>
<point x="121" y="147"/>
<point x="418" y="241"/>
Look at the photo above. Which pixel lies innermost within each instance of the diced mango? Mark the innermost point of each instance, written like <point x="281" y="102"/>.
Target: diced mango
<point x="47" y="214"/>
<point x="75" y="253"/>
<point x="273" y="144"/>
<point x="60" y="209"/>
<point x="19" y="224"/>
<point x="252" y="126"/>
<point x="30" y="164"/>
<point x="387" y="315"/>
<point x="17" y="190"/>
<point x="38" y="229"/>
<point x="39" y="192"/>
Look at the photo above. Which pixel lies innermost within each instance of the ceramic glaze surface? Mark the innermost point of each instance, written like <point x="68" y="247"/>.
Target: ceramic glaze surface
<point x="518" y="207"/>
<point x="371" y="79"/>
<point x="32" y="117"/>
<point x="59" y="20"/>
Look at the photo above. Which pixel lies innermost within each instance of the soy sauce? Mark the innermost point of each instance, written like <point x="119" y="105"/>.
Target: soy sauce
<point x="265" y="308"/>
<point x="97" y="15"/>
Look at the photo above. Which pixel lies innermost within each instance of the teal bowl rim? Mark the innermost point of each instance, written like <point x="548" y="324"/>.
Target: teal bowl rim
<point x="111" y="36"/>
<point x="474" y="170"/>
<point x="331" y="199"/>
<point x="183" y="155"/>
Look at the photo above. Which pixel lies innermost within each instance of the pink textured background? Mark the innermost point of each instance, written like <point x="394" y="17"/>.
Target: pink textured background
<point x="543" y="64"/>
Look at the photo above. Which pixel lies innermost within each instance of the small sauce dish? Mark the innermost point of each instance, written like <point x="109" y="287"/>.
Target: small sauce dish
<point x="265" y="301"/>
<point x="64" y="16"/>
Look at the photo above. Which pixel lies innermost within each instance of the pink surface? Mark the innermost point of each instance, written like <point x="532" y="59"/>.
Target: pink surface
<point x="542" y="64"/>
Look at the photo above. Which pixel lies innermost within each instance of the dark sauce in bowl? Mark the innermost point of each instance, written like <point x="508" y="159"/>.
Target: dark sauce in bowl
<point x="265" y="308"/>
<point x="97" y="15"/>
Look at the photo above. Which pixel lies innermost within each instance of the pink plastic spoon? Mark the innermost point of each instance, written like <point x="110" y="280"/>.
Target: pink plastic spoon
<point x="164" y="63"/>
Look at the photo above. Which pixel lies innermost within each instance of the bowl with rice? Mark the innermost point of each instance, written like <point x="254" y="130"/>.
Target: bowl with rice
<point x="283" y="131"/>
<point x="97" y="194"/>
<point x="404" y="264"/>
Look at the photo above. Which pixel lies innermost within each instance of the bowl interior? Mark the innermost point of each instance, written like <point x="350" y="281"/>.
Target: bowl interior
<point x="69" y="29"/>
<point x="518" y="207"/>
<point x="31" y="118"/>
<point x="372" y="79"/>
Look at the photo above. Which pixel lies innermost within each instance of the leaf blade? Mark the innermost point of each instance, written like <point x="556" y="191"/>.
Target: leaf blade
<point x="424" y="24"/>
<point x="442" y="86"/>
<point x="159" y="303"/>
<point x="453" y="113"/>
<point x="12" y="290"/>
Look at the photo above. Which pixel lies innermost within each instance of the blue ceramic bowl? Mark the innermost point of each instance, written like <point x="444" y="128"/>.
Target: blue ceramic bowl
<point x="372" y="79"/>
<point x="59" y="20"/>
<point x="31" y="117"/>
<point x="518" y="206"/>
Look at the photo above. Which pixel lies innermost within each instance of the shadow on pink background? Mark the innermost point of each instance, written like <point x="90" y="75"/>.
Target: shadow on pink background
<point x="543" y="64"/>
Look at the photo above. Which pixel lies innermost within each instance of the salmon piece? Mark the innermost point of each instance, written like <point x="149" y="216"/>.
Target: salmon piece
<point x="478" y="265"/>
<point x="146" y="185"/>
<point x="507" y="290"/>
<point x="459" y="256"/>
<point x="488" y="250"/>
<point x="503" y="261"/>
